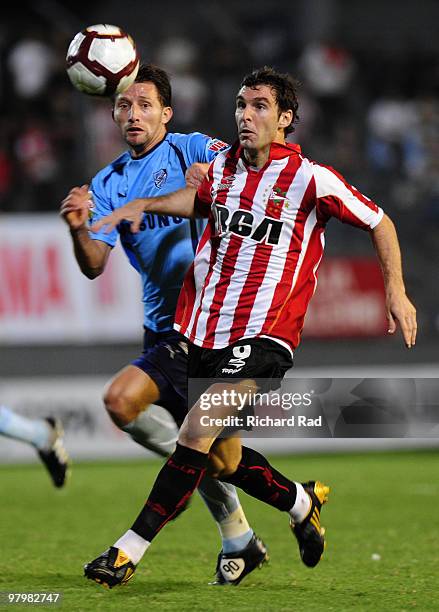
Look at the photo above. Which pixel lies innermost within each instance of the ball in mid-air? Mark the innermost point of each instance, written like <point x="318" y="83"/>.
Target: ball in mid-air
<point x="102" y="60"/>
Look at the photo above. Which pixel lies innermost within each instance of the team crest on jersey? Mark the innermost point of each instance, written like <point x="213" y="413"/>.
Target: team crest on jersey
<point x="276" y="201"/>
<point x="160" y="177"/>
<point x="217" y="145"/>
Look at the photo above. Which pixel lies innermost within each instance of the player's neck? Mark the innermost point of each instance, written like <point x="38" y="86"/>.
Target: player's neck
<point x="257" y="158"/>
<point x="141" y="150"/>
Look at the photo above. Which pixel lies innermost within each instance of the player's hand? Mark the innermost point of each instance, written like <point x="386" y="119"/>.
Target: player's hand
<point x="76" y="206"/>
<point x="401" y="310"/>
<point x="133" y="212"/>
<point x="195" y="174"/>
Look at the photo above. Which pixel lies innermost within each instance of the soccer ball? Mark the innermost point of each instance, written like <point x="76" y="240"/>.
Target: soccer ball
<point x="102" y="60"/>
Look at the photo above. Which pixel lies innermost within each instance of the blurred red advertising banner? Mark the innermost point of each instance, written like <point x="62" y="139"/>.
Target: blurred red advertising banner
<point x="44" y="298"/>
<point x="349" y="300"/>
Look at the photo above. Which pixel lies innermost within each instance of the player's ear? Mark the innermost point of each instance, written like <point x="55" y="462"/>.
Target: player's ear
<point x="285" y="118"/>
<point x="167" y="113"/>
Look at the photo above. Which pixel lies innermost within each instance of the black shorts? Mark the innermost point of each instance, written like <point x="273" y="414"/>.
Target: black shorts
<point x="250" y="358"/>
<point x="247" y="358"/>
<point x="165" y="360"/>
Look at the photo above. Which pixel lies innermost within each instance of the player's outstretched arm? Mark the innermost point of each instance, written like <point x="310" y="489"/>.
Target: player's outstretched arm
<point x="179" y="203"/>
<point x="399" y="307"/>
<point x="91" y="255"/>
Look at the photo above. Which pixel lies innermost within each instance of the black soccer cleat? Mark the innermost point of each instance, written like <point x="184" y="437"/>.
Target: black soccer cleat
<point x="232" y="567"/>
<point x="110" y="569"/>
<point x="56" y="458"/>
<point x="309" y="533"/>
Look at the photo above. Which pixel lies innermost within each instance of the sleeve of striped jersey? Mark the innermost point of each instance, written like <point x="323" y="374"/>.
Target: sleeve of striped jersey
<point x="337" y="198"/>
<point x="101" y="208"/>
<point x="203" y="199"/>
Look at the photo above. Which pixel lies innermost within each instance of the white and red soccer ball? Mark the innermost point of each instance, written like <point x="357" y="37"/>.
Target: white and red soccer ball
<point x="102" y="60"/>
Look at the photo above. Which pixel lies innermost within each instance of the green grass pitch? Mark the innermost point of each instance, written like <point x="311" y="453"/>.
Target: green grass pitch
<point x="382" y="504"/>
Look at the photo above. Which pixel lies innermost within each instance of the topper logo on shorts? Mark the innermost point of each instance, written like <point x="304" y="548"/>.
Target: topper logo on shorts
<point x="237" y="362"/>
<point x="243" y="223"/>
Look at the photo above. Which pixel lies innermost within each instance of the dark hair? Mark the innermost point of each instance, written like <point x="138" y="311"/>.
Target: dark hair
<point x="154" y="74"/>
<point x="283" y="86"/>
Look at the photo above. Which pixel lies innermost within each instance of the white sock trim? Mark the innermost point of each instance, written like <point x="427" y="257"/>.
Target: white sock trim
<point x="302" y="504"/>
<point x="235" y="525"/>
<point x="132" y="545"/>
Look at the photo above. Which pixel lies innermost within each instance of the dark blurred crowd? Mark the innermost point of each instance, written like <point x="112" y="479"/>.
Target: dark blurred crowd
<point x="374" y="118"/>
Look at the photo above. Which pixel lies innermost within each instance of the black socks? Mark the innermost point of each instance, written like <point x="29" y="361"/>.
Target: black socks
<point x="259" y="479"/>
<point x="174" y="485"/>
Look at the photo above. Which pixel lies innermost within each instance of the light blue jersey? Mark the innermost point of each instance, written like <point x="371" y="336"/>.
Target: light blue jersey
<point x="164" y="247"/>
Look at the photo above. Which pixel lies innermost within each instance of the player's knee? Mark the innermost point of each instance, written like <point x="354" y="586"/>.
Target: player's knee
<point x="117" y="405"/>
<point x="221" y="467"/>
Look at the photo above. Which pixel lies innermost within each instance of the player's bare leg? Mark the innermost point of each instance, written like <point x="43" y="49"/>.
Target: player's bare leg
<point x="130" y="401"/>
<point x="183" y="472"/>
<point x="233" y="564"/>
<point x="224" y="456"/>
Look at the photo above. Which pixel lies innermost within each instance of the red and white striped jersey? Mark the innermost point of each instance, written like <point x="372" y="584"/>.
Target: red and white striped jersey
<point x="255" y="269"/>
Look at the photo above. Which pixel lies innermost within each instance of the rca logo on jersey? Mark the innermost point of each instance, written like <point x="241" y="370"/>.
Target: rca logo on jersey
<point x="237" y="362"/>
<point x="160" y="178"/>
<point x="243" y="223"/>
<point x="217" y="145"/>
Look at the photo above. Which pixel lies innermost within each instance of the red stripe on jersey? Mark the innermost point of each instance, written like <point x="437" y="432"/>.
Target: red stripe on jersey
<point x="229" y="261"/>
<point x="191" y="280"/>
<point x="202" y="197"/>
<point x="332" y="206"/>
<point x="187" y="296"/>
<point x="290" y="318"/>
<point x="261" y="258"/>
<point x="229" y="170"/>
<point x="186" y="301"/>
<point x="280" y="297"/>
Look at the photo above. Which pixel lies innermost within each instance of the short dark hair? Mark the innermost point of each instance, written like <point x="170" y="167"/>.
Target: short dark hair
<point x="284" y="87"/>
<point x="160" y="78"/>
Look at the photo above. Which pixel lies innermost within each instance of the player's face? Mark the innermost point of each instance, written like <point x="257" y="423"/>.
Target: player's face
<point x="141" y="117"/>
<point x="257" y="118"/>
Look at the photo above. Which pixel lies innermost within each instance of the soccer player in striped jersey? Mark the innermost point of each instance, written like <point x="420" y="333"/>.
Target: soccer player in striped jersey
<point x="155" y="163"/>
<point x="244" y="299"/>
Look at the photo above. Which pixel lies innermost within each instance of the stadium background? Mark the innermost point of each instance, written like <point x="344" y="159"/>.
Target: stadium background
<point x="368" y="106"/>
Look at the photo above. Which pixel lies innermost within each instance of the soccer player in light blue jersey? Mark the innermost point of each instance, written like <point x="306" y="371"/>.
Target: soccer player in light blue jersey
<point x="155" y="164"/>
<point x="45" y="435"/>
